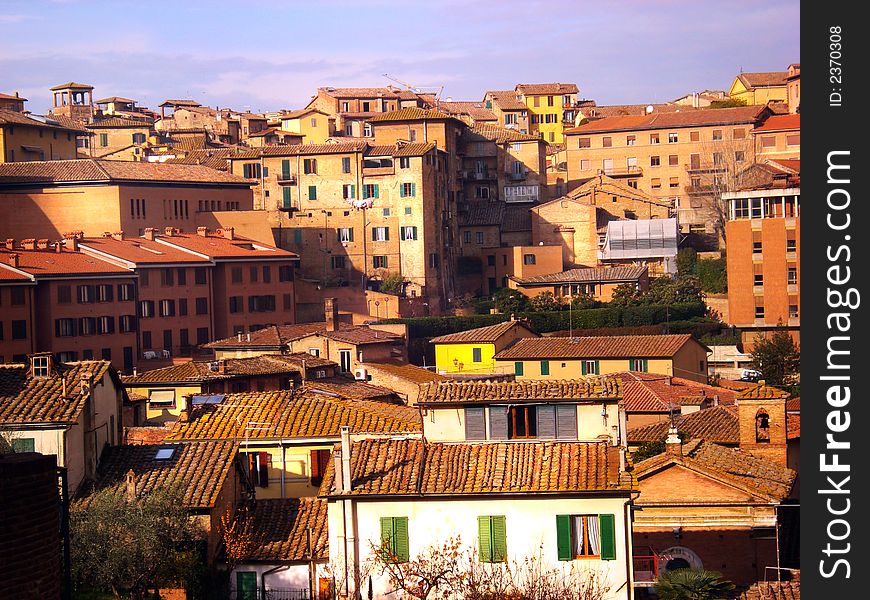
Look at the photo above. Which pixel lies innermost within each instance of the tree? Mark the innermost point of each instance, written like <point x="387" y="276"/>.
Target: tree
<point x="687" y="260"/>
<point x="777" y="358"/>
<point x="392" y="283"/>
<point x="510" y="301"/>
<point x="727" y="103"/>
<point x="664" y="290"/>
<point x="119" y="543"/>
<point x="545" y="301"/>
<point x="238" y="537"/>
<point x="693" y="584"/>
<point x="626" y="294"/>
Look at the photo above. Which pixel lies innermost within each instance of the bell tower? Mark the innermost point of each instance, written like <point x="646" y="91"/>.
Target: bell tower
<point x="73" y="100"/>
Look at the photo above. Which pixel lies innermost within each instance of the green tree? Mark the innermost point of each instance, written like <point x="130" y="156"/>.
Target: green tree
<point x="626" y="294"/>
<point x="687" y="260"/>
<point x="510" y="301"/>
<point x="693" y="584"/>
<point x="728" y="103"/>
<point x="392" y="283"/>
<point x="665" y="290"/>
<point x="777" y="358"/>
<point x="545" y="301"/>
<point x="121" y="544"/>
<point x="712" y="275"/>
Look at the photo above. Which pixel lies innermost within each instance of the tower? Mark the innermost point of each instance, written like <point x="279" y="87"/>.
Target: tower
<point x="73" y="100"/>
<point x="761" y="415"/>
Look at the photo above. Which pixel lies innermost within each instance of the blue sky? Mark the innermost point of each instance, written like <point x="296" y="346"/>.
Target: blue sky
<point x="266" y="55"/>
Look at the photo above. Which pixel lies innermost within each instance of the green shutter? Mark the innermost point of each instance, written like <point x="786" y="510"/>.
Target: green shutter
<point x="607" y="533"/>
<point x="287" y="197"/>
<point x="387" y="233"/>
<point x="563" y="537"/>
<point x="400" y="538"/>
<point x="352" y="191"/>
<point x="545" y="367"/>
<point x="484" y="539"/>
<point x="597" y="368"/>
<point x="401" y="190"/>
<point x="297" y="236"/>
<point x="312" y="192"/>
<point x="413" y="189"/>
<point x="518" y="368"/>
<point x="246" y="585"/>
<point x="407" y="210"/>
<point x="499" y="539"/>
<point x="374" y="234"/>
<point x="583" y="367"/>
<point x="376" y="190"/>
<point x="365" y="192"/>
<point x="387" y="533"/>
<point x="645" y="367"/>
<point x="285" y="169"/>
<point x="414" y="230"/>
<point x="350" y="234"/>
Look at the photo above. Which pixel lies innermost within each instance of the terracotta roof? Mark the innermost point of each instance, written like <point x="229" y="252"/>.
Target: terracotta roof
<point x="272" y="336"/>
<point x="26" y="400"/>
<point x="12" y="97"/>
<point x="758" y="476"/>
<point x="482" y="213"/>
<point x="497" y="134"/>
<point x="547" y="390"/>
<point x="516" y="218"/>
<point x="718" y="424"/>
<point x="213" y="158"/>
<point x="409" y="372"/>
<point x="790" y="164"/>
<point x="195" y="371"/>
<point x="506" y="100"/>
<point x="691" y="118"/>
<point x="537" y="89"/>
<point x="608" y="274"/>
<point x="413" y="467"/>
<point x="347" y="388"/>
<point x="119" y="122"/>
<point x="8" y="274"/>
<point x="279" y="530"/>
<point x="490" y="333"/>
<point x="769" y="79"/>
<point x="11" y="117"/>
<point x="621" y="110"/>
<point x="621" y="346"/>
<point x="302" y="149"/>
<point x="216" y="246"/>
<point x="793" y="426"/>
<point x="72" y="85"/>
<point x="134" y="436"/>
<point x="476" y="110"/>
<point x="369" y="92"/>
<point x="140" y="251"/>
<point x="411" y="114"/>
<point x="736" y="385"/>
<point x="762" y="390"/>
<point x="48" y="263"/>
<point x="780" y="123"/>
<point x="110" y="171"/>
<point x="288" y="414"/>
<point x="414" y="149"/>
<point x="650" y="392"/>
<point x="113" y="99"/>
<point x="793" y="405"/>
<point x="300" y="112"/>
<point x="772" y="590"/>
<point x="608" y="185"/>
<point x="199" y="469"/>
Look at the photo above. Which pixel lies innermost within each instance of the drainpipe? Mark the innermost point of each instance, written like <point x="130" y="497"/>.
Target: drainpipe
<point x="283" y="467"/>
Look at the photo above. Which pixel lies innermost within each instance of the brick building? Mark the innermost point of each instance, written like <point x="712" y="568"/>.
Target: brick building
<point x="350" y="108"/>
<point x="510" y="111"/>
<point x="119" y="138"/>
<point x="778" y="138"/>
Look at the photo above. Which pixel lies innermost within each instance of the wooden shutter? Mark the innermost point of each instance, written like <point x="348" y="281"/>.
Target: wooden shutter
<point x="563" y="537"/>
<point x="583" y="367"/>
<point x="387" y="534"/>
<point x="484" y="538"/>
<point x="545" y="367"/>
<point x="401" y="190"/>
<point x="597" y="367"/>
<point x="400" y="538"/>
<point x="499" y="539"/>
<point x="498" y="422"/>
<point x="287" y="197"/>
<point x="518" y="368"/>
<point x="376" y="190"/>
<point x="315" y="465"/>
<point x="607" y="533"/>
<point x="312" y="192"/>
<point x="546" y="421"/>
<point x="263" y="460"/>
<point x="413" y="189"/>
<point x="475" y="423"/>
<point x="566" y="421"/>
<point x="297" y="236"/>
<point x="285" y="169"/>
<point x="645" y="366"/>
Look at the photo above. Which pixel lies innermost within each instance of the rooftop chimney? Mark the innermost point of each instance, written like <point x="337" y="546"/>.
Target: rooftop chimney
<point x="150" y="232"/>
<point x="10" y="243"/>
<point x="673" y="445"/>
<point x="42" y="244"/>
<point x="347" y="482"/>
<point x="222" y="366"/>
<point x="168" y="231"/>
<point x="28" y="244"/>
<point x="337" y="462"/>
<point x="87" y="382"/>
<point x="130" y="485"/>
<point x="229" y="233"/>
<point x="71" y="241"/>
<point x="13" y="259"/>
<point x="330" y="308"/>
<point x="203" y="231"/>
<point x="184" y="417"/>
<point x="118" y="235"/>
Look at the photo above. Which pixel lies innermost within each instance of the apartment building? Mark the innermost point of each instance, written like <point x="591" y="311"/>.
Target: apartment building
<point x="14" y="102"/>
<point x="117" y="106"/>
<point x="472" y="113"/>
<point x="510" y="111"/>
<point x="352" y="107"/>
<point x="119" y="138"/>
<point x="50" y="198"/>
<point x="315" y="125"/>
<point x="684" y="158"/>
<point x="222" y="123"/>
<point x="760" y="88"/>
<point x="763" y="262"/>
<point x="551" y="107"/>
<point x="778" y="138"/>
<point x="27" y="137"/>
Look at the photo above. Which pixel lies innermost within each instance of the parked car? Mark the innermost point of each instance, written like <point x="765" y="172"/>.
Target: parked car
<point x="750" y="375"/>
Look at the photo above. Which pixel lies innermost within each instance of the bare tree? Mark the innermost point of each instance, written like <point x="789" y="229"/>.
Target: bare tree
<point x="237" y="537"/>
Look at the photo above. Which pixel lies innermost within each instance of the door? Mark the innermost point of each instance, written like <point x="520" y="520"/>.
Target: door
<point x="344" y="360"/>
<point x="128" y="359"/>
<point x="246" y="585"/>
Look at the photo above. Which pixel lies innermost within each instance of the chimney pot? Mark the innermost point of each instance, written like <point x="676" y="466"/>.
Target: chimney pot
<point x="672" y="443"/>
<point x="168" y="231"/>
<point x="330" y="308"/>
<point x="10" y="243"/>
<point x="42" y="244"/>
<point x="229" y="233"/>
<point x="28" y="244"/>
<point x="345" y="459"/>
<point x="222" y="366"/>
<point x="203" y="231"/>
<point x="13" y="259"/>
<point x="130" y="491"/>
<point x="150" y="233"/>
<point x="118" y="235"/>
<point x="249" y="336"/>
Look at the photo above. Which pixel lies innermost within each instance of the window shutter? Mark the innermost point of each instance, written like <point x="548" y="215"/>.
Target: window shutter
<point x="607" y="533"/>
<point x="563" y="537"/>
<point x="263" y="467"/>
<point x="566" y="421"/>
<point x="414" y="231"/>
<point x="374" y="234"/>
<point x="484" y="538"/>
<point x="545" y="367"/>
<point x="297" y="236"/>
<point x="387" y="533"/>
<point x="353" y="191"/>
<point x="400" y="533"/>
<point x="287" y="197"/>
<point x="413" y="189"/>
<point x="57" y="327"/>
<point x="645" y="367"/>
<point x="285" y="169"/>
<point x="546" y="421"/>
<point x="312" y="192"/>
<point x="376" y="190"/>
<point x="387" y="233"/>
<point x="401" y="190"/>
<point x="499" y="539"/>
<point x="518" y="368"/>
<point x="597" y="367"/>
<point x="583" y="367"/>
<point x="315" y="464"/>
<point x="350" y="234"/>
<point x="498" y="422"/>
<point x="475" y="423"/>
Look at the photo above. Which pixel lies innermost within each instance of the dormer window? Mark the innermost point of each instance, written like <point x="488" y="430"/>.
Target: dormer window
<point x="40" y="366"/>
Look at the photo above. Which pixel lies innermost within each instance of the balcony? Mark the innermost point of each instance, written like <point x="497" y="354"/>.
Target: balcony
<point x="646" y="569"/>
<point x="633" y="171"/>
<point x="521" y="176"/>
<point x="286" y="179"/>
<point x="697" y="169"/>
<point x="484" y="175"/>
<point x="374" y="171"/>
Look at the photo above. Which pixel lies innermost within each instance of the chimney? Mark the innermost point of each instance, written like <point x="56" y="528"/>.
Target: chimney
<point x="336" y="464"/>
<point x="673" y="446"/>
<point x="330" y="308"/>
<point x="345" y="459"/>
<point x="202" y="231"/>
<point x="240" y="336"/>
<point x="10" y="243"/>
<point x="150" y="233"/>
<point x="229" y="233"/>
<point x="185" y="415"/>
<point x="42" y="244"/>
<point x="168" y="231"/>
<point x="87" y="382"/>
<point x="249" y="336"/>
<point x="13" y="259"/>
<point x="222" y="366"/>
<point x="135" y="371"/>
<point x="118" y="235"/>
<point x="71" y="241"/>
<point x="130" y="485"/>
<point x="28" y="244"/>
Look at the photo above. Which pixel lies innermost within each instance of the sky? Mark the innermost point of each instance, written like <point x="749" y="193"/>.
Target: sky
<point x="263" y="55"/>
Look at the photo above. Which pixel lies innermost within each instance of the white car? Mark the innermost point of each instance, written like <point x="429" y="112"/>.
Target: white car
<point x="750" y="375"/>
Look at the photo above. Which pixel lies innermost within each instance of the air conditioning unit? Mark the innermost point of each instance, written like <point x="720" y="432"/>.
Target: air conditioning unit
<point x="361" y="374"/>
<point x="213" y="367"/>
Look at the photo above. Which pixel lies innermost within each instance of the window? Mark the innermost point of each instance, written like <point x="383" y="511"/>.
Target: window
<point x="344" y="360"/>
<point x="793" y="311"/>
<point x="370" y="190"/>
<point x="585" y="164"/>
<point x="404" y="162"/>
<point x="312" y="192"/>
<point x="762" y="427"/>
<point x="408" y="190"/>
<point x="589" y="367"/>
<point x="345" y="234"/>
<point x="790" y="243"/>
<point x="380" y="234"/>
<point x="655" y="183"/>
<point x="87" y="326"/>
<point x="434" y="262"/>
<point x="86" y="294"/>
<point x="631" y="161"/>
<point x="758" y="279"/>
<point x="606" y="142"/>
<point x="673" y="137"/>
<point x="638" y="364"/>
<point x="367" y="130"/>
<point x="654" y="138"/>
<point x="309" y="166"/>
<point x="250" y="171"/>
<point x="607" y="165"/>
<point x="254" y="274"/>
<point x="379" y="262"/>
<point x="694" y="136"/>
<point x="146" y="339"/>
<point x="127" y="323"/>
<point x="476" y="355"/>
<point x="466" y="237"/>
<point x="492" y="539"/>
<point x="338" y="262"/>
<point x="201" y="306"/>
<point x="584" y="142"/>
<point x="105" y="325"/>
<point x="199" y="276"/>
<point x="167" y="308"/>
<point x="65" y="327"/>
<point x="64" y="294"/>
<point x="490" y="260"/>
<point x="518" y="368"/>
<point x="138" y="138"/>
<point x="19" y="330"/>
<point x="528" y="259"/>
<point x="694" y="161"/>
<point x="793" y="139"/>
<point x="478" y="236"/>
<point x="673" y="160"/>
<point x="739" y="134"/>
<point x="759" y="312"/>
<point x="409" y="232"/>
<point x="717" y="135"/>
<point x="739" y="156"/>
<point x="236" y="275"/>
<point x="181" y="276"/>
<point x="792" y="276"/>
<point x="348" y="191"/>
<point x="386" y="212"/>
<point x="394" y="539"/>
<point x="655" y="161"/>
<point x="768" y="141"/>
<point x="201" y="335"/>
<point x="522" y="422"/>
<point x="674" y="182"/>
<point x="545" y="367"/>
<point x="630" y="140"/>
<point x="756" y="247"/>
<point x="104" y="139"/>
<point x="236" y="304"/>
<point x="586" y="536"/>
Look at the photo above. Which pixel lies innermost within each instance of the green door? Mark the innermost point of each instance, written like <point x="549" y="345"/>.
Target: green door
<point x="246" y="585"/>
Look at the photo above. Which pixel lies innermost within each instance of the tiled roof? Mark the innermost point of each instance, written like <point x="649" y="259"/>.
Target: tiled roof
<point x="280" y="529"/>
<point x="536" y="89"/>
<point x="71" y="85"/>
<point x="622" y="110"/>
<point x="650" y="392"/>
<point x="598" y="274"/>
<point x="769" y="79"/>
<point x="300" y="112"/>
<point x="12" y="97"/>
<point x="497" y="134"/>
<point x="359" y="334"/>
<point x="608" y="185"/>
<point x="213" y="158"/>
<point x="135" y="436"/>
<point x="754" y="474"/>
<point x="412" y="467"/>
<point x="302" y="149"/>
<point x="412" y="114"/>
<point x="266" y="364"/>
<point x="516" y="218"/>
<point x="119" y="122"/>
<point x="11" y="117"/>
<point x="482" y="213"/>
<point x="409" y="372"/>
<point x="762" y="390"/>
<point x="691" y="118"/>
<point x="780" y="123"/>
<point x="793" y="426"/>
<point x="273" y="336"/>
<point x="287" y="414"/>
<point x="25" y="399"/>
<point x="471" y="392"/>
<point x="506" y="100"/>
<point x="369" y="92"/>
<point x="8" y="274"/>
<point x="216" y="246"/>
<point x="179" y="103"/>
<point x="772" y="590"/>
<point x="140" y="250"/>
<point x="93" y="170"/>
<point x="347" y="388"/>
<point x="113" y="99"/>
<point x="49" y="263"/>
<point x="490" y="333"/>
<point x="414" y="149"/>
<point x="618" y="346"/>
<point x="198" y="469"/>
<point x="790" y="164"/>
<point x="793" y="405"/>
<point x="476" y="110"/>
<point x="717" y="424"/>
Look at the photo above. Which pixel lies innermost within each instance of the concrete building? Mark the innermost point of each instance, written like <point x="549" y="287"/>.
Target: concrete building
<point x="778" y="138"/>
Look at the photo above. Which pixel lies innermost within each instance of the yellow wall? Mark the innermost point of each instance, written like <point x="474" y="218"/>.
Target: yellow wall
<point x="56" y="144"/>
<point x="162" y="415"/>
<point x="545" y="129"/>
<point x="445" y="354"/>
<point x="314" y="134"/>
<point x="764" y="95"/>
<point x="294" y="462"/>
<point x="572" y="368"/>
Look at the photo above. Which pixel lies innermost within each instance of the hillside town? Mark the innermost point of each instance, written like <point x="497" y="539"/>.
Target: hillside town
<point x="389" y="344"/>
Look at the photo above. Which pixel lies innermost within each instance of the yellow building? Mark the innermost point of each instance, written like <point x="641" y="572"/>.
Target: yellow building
<point x="550" y="106"/>
<point x="25" y="137"/>
<point x="569" y="358"/>
<point x="760" y="88"/>
<point x="314" y="124"/>
<point x="471" y="352"/>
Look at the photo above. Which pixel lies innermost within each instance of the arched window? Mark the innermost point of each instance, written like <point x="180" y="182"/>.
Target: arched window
<point x="762" y="427"/>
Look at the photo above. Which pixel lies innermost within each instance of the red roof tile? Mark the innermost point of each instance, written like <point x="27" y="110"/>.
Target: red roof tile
<point x="280" y="530"/>
<point x="691" y="118"/>
<point x="412" y="114"/>
<point x="598" y="274"/>
<point x="448" y="392"/>
<point x="48" y="263"/>
<point x="140" y="251"/>
<point x="490" y="333"/>
<point x="779" y="123"/>
<point x="537" y="89"/>
<point x="768" y="79"/>
<point x="717" y="424"/>
<point x="216" y="246"/>
<point x="621" y="346"/>
<point x="112" y="171"/>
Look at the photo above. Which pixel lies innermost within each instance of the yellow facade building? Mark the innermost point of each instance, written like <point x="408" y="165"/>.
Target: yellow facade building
<point x="316" y="125"/>
<point x="760" y="88"/>
<point x="472" y="352"/>
<point x="550" y="106"/>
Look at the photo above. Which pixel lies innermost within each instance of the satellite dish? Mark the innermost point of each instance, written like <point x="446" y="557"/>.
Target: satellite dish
<point x="649" y="109"/>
